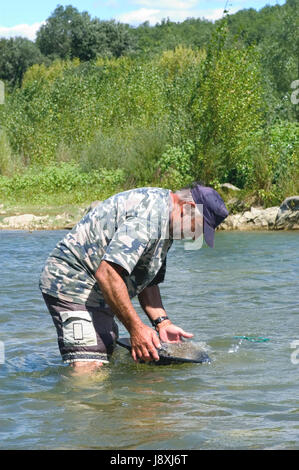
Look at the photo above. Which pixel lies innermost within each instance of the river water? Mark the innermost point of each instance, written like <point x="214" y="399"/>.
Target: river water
<point x="246" y="398"/>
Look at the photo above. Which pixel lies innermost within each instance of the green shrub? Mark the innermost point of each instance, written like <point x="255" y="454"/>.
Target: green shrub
<point x="85" y="130"/>
<point x="5" y="155"/>
<point x="174" y="168"/>
<point x="133" y="149"/>
<point x="40" y="184"/>
<point x="284" y="150"/>
<point x="226" y="110"/>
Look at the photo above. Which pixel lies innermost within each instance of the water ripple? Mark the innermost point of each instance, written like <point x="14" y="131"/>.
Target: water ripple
<point x="247" y="398"/>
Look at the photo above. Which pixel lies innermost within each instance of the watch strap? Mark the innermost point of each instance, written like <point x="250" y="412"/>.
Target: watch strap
<point x="159" y="320"/>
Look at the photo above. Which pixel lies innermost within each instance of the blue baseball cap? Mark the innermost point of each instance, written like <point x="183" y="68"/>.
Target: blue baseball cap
<point x="214" y="210"/>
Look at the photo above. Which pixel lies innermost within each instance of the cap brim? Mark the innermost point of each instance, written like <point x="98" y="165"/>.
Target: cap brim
<point x="209" y="234"/>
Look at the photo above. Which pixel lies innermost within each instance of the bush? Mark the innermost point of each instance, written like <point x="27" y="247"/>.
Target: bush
<point x="70" y="105"/>
<point x="40" y="184"/>
<point x="16" y="56"/>
<point x="174" y="168"/>
<point x="73" y="128"/>
<point x="284" y="148"/>
<point x="226" y="111"/>
<point x="6" y="160"/>
<point x="135" y="150"/>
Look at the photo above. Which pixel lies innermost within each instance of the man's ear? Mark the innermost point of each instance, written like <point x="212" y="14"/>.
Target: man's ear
<point x="189" y="203"/>
<point x="184" y="204"/>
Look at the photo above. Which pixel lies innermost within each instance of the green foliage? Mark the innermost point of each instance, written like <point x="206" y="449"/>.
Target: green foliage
<point x="5" y="155"/>
<point x="56" y="36"/>
<point x="196" y="100"/>
<point x="174" y="168"/>
<point x="16" y="55"/>
<point x="284" y="150"/>
<point x="68" y="34"/>
<point x="226" y="111"/>
<point x="134" y="149"/>
<point x="37" y="184"/>
<point x="71" y="103"/>
<point x="167" y="35"/>
<point x="274" y="29"/>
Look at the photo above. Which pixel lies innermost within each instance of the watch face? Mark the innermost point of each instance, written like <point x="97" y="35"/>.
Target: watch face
<point x="159" y="320"/>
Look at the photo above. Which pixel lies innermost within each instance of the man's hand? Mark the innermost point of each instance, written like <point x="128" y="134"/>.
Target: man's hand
<point x="144" y="342"/>
<point x="170" y="333"/>
<point x="150" y="301"/>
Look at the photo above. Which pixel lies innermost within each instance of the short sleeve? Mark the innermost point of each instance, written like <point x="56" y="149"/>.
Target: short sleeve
<point x="159" y="278"/>
<point x="128" y="243"/>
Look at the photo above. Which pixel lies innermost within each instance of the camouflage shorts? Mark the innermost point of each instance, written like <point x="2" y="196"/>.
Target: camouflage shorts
<point x="84" y="333"/>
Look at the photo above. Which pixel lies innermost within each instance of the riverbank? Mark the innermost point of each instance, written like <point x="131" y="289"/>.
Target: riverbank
<point x="283" y="217"/>
<point x="33" y="217"/>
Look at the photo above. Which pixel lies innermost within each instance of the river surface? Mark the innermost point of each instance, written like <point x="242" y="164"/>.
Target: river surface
<point x="246" y="398"/>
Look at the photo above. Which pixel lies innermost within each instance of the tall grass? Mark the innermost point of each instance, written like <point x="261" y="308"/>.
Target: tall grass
<point x="134" y="149"/>
<point x="9" y="163"/>
<point x="63" y="183"/>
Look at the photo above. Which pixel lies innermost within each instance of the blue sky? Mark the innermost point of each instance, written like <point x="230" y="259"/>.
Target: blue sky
<point x="24" y="17"/>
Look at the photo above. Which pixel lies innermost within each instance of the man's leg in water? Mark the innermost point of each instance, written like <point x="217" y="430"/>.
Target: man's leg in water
<point x="84" y="367"/>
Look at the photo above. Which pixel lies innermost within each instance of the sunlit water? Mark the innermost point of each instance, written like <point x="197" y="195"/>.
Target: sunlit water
<point x="246" y="398"/>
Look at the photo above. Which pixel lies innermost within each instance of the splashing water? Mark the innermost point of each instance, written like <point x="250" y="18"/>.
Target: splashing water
<point x="234" y="348"/>
<point x="252" y="339"/>
<point x="187" y="350"/>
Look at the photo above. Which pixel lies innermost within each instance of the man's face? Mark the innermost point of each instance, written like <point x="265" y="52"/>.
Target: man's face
<point x="188" y="221"/>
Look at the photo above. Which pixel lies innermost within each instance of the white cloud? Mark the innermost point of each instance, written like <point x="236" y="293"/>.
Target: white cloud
<point x="141" y="15"/>
<point x="25" y="30"/>
<point x="217" y="13"/>
<point x="212" y="14"/>
<point x="169" y="4"/>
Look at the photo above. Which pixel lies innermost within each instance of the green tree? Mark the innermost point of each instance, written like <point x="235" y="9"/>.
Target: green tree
<point x="16" y="56"/>
<point x="54" y="38"/>
<point x="119" y="40"/>
<point x="68" y="34"/>
<point x="226" y="110"/>
<point x="167" y="35"/>
<point x="280" y="50"/>
<point x="274" y="30"/>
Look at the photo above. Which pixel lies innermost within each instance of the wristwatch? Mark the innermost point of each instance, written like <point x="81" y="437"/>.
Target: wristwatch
<point x="159" y="320"/>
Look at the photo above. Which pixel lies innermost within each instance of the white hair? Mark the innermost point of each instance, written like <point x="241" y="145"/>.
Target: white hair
<point x="185" y="194"/>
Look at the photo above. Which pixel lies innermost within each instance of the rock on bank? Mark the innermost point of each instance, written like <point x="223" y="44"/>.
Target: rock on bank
<point x="285" y="217"/>
<point x="35" y="222"/>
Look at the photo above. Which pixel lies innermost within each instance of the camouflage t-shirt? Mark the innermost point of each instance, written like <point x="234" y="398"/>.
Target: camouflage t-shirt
<point x="130" y="229"/>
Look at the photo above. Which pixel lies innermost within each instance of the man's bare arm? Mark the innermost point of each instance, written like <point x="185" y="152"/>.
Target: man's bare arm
<point x="151" y="302"/>
<point x="144" y="340"/>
